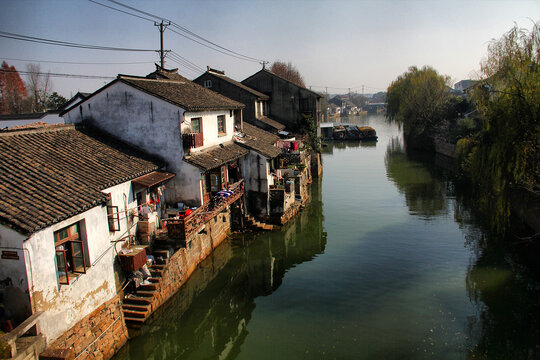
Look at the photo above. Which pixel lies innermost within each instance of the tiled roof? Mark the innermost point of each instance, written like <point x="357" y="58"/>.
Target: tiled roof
<point x="166" y="74"/>
<point x="186" y="94"/>
<point x="259" y="140"/>
<point x="56" y="172"/>
<point x="271" y="122"/>
<point x="216" y="156"/>
<point x="282" y="78"/>
<point x="258" y="94"/>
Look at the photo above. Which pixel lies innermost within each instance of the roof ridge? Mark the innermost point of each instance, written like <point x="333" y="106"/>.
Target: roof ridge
<point x="43" y="129"/>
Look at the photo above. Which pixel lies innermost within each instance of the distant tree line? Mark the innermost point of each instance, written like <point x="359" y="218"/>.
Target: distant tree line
<point x="498" y="148"/>
<point x="34" y="95"/>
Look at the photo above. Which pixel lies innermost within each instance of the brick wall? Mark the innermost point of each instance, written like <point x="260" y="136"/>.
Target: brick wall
<point x="97" y="336"/>
<point x="183" y="262"/>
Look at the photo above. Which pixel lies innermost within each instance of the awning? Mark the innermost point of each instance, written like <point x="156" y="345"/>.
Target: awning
<point x="216" y="156"/>
<point x="153" y="179"/>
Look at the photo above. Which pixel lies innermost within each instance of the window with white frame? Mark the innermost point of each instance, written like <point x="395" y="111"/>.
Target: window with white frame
<point x="70" y="253"/>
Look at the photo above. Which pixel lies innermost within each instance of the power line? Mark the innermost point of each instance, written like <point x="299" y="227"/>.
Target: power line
<point x="78" y="63"/>
<point x="78" y="76"/>
<point x="65" y="43"/>
<point x="224" y="50"/>
<point x="122" y="11"/>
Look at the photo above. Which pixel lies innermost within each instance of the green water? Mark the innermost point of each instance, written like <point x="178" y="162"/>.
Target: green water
<point x="388" y="261"/>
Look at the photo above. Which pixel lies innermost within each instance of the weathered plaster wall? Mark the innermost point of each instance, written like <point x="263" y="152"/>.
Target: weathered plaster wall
<point x="14" y="282"/>
<point x="65" y="305"/>
<point x="192" y="196"/>
<point x="257" y="180"/>
<point x="284" y="105"/>
<point x="141" y="120"/>
<point x="210" y="127"/>
<point x="98" y="335"/>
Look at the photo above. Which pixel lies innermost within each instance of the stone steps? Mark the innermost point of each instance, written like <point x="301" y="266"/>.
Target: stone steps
<point x="137" y="307"/>
<point x="260" y="225"/>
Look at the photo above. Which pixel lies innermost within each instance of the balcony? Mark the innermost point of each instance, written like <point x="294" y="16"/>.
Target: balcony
<point x="182" y="229"/>
<point x="193" y="140"/>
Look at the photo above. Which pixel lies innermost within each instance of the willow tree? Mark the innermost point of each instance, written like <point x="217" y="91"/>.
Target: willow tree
<point x="506" y="153"/>
<point x="418" y="100"/>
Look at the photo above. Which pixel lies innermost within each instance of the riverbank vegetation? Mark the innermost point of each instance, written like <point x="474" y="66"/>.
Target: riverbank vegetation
<point x="498" y="142"/>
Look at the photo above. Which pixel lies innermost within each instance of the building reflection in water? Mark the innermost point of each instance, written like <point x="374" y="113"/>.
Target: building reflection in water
<point x="208" y="318"/>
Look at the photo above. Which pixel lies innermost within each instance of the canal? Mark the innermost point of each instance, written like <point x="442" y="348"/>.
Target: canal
<point x="388" y="261"/>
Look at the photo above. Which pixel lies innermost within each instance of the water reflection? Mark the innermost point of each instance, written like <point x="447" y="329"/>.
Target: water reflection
<point x="208" y="318"/>
<point x="500" y="281"/>
<point x="424" y="194"/>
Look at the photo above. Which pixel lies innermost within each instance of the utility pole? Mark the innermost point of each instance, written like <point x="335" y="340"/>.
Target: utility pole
<point x="162" y="27"/>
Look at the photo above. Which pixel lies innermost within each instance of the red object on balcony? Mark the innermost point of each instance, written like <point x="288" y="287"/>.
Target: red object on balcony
<point x="193" y="140"/>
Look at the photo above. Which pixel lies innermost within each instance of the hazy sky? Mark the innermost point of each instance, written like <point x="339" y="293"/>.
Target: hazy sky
<point x="336" y="44"/>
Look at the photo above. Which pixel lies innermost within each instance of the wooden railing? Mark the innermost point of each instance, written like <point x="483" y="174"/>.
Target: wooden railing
<point x="182" y="229"/>
<point x="11" y="337"/>
<point x="193" y="140"/>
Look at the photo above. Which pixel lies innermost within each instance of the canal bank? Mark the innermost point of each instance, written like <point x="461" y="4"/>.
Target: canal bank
<point x="388" y="260"/>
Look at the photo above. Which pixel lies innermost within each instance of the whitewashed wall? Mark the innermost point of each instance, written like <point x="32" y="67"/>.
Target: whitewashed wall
<point x="35" y="274"/>
<point x="210" y="127"/>
<point x="65" y="305"/>
<point x="141" y="120"/>
<point x="154" y="126"/>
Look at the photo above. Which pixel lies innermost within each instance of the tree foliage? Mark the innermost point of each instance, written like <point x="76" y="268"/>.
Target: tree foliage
<point x="12" y="91"/>
<point x="418" y="99"/>
<point x="506" y="152"/>
<point x="39" y="87"/>
<point x="288" y="71"/>
<point x="55" y="101"/>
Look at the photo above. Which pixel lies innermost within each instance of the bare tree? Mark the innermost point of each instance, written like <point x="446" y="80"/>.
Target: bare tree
<point x="288" y="71"/>
<point x="39" y="87"/>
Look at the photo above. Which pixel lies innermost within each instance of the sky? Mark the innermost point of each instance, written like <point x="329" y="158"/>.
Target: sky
<point x="336" y="45"/>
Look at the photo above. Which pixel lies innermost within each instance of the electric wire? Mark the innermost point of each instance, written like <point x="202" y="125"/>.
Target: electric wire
<point x="224" y="50"/>
<point x="122" y="11"/>
<point x="78" y="63"/>
<point x="14" y="36"/>
<point x="78" y="76"/>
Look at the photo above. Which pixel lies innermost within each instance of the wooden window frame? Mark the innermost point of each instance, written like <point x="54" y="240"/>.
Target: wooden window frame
<point x="222" y="125"/>
<point x="113" y="218"/>
<point x="200" y="121"/>
<point x="66" y="254"/>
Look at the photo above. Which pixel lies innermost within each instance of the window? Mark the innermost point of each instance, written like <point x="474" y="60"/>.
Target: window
<point x="114" y="219"/>
<point x="207" y="83"/>
<point x="221" y="124"/>
<point x="112" y="216"/>
<point x="196" y="125"/>
<point x="70" y="255"/>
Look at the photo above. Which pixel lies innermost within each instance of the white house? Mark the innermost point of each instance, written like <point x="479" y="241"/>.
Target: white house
<point x="67" y="202"/>
<point x="190" y="127"/>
